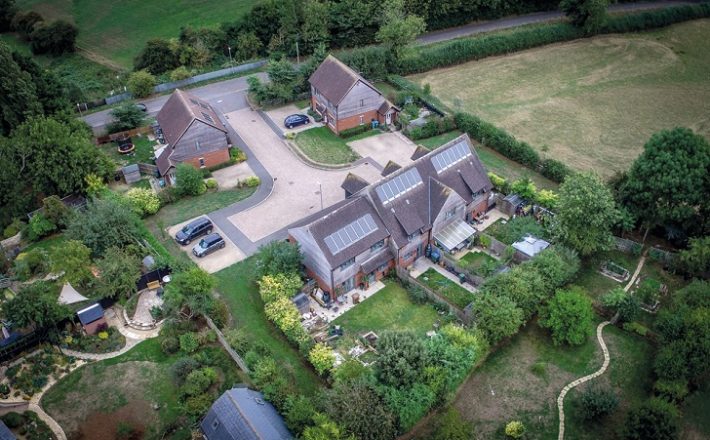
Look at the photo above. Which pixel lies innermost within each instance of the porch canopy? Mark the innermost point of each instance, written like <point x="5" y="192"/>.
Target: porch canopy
<point x="454" y="234"/>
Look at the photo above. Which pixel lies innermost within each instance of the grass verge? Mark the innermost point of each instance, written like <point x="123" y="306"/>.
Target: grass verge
<point x="322" y="145"/>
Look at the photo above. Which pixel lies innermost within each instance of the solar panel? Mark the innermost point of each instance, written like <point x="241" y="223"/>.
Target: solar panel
<point x="350" y="233"/>
<point x="450" y="156"/>
<point x="207" y="117"/>
<point x="398" y="185"/>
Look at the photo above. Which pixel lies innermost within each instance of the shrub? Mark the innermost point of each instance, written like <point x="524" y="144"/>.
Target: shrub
<point x="451" y="426"/>
<point x="237" y="155"/>
<point x="554" y="170"/>
<point x="569" y="316"/>
<point x="13" y="228"/>
<point x="181" y="368"/>
<point x="189" y="180"/>
<point x="613" y="298"/>
<point x="628" y="309"/>
<point x="170" y="345"/>
<point x="39" y="227"/>
<point x="273" y="287"/>
<point x="103" y="335"/>
<point x="141" y="83"/>
<point x="515" y="429"/>
<point x="29" y="264"/>
<point x="211" y="184"/>
<point x="143" y="201"/>
<point x="673" y="390"/>
<point x="252" y="182"/>
<point x="635" y="327"/>
<point x="13" y="420"/>
<point x="598" y="402"/>
<point x="350" y="132"/>
<point x="322" y="358"/>
<point x="180" y="73"/>
<point x="169" y="195"/>
<point x="55" y="38"/>
<point x="189" y="343"/>
<point x="655" y="419"/>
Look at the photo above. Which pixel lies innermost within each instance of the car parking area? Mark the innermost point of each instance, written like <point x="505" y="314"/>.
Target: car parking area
<point x="385" y="147"/>
<point x="215" y="261"/>
<point x="278" y="115"/>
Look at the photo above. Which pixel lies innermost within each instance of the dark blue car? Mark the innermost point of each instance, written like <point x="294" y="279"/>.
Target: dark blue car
<point x="296" y="120"/>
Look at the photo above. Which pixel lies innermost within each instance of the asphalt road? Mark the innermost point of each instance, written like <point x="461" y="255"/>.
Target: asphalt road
<point x="538" y="17"/>
<point x="226" y="96"/>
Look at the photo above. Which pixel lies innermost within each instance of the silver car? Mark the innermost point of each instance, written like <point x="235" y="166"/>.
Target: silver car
<point x="209" y="244"/>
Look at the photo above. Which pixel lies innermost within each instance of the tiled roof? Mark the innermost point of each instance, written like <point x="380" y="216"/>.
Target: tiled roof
<point x="390" y="168"/>
<point x="333" y="79"/>
<point x="353" y="183"/>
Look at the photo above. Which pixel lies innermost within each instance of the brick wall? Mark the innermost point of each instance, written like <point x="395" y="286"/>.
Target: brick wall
<point x="354" y="121"/>
<point x="211" y="159"/>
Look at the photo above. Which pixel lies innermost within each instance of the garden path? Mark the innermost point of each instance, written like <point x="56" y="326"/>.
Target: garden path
<point x="581" y="380"/>
<point x="637" y="271"/>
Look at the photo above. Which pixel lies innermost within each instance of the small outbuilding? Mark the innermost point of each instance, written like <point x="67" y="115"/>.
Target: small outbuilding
<point x="92" y="319"/>
<point x="302" y="303"/>
<point x="243" y="414"/>
<point x="528" y="247"/>
<point x="5" y="433"/>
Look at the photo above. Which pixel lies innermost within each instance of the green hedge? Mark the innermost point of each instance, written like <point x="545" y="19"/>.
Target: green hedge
<point x="350" y="132"/>
<point x="498" y="139"/>
<point x="554" y="170"/>
<point x="433" y="127"/>
<point x="452" y="52"/>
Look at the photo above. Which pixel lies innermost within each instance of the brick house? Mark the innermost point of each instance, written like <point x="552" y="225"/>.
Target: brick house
<point x="194" y="134"/>
<point x="390" y="222"/>
<point x="345" y="99"/>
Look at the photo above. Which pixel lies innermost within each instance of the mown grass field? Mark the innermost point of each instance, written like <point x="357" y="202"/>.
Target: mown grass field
<point x="590" y="103"/>
<point x="117" y="30"/>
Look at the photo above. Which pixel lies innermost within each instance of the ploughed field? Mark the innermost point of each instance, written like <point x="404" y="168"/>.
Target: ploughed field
<point x="591" y="103"/>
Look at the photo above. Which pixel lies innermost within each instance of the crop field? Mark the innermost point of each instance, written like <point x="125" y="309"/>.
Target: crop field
<point x="591" y="103"/>
<point x="117" y="30"/>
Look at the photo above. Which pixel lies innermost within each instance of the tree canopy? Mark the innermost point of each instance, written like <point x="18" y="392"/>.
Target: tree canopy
<point x="568" y="316"/>
<point x="398" y="29"/>
<point x="668" y="183"/>
<point x="586" y="212"/>
<point x="587" y="14"/>
<point x="104" y="224"/>
<point x="278" y="257"/>
<point x="36" y="304"/>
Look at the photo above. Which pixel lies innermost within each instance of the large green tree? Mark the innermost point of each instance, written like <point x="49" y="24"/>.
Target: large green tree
<point x="401" y="358"/>
<point x="35" y="305"/>
<point x="397" y="28"/>
<point x="49" y="88"/>
<point x="189" y="294"/>
<point x="278" y="257"/>
<point x="669" y="183"/>
<point x="655" y="419"/>
<point x="696" y="259"/>
<point x="568" y="316"/>
<point x="497" y="316"/>
<point x="158" y="56"/>
<point x="586" y="213"/>
<point x="7" y="13"/>
<point x="72" y="258"/>
<point x="104" y="224"/>
<point x="55" y="38"/>
<point x="18" y="95"/>
<point x="358" y="408"/>
<point x="587" y="14"/>
<point x="118" y="272"/>
<point x="126" y="117"/>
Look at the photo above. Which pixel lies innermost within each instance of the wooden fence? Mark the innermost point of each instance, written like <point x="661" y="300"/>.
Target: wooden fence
<point x="463" y="315"/>
<point x="122" y="134"/>
<point x="472" y="278"/>
<point x="222" y="340"/>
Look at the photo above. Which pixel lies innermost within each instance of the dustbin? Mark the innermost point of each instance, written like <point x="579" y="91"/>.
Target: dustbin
<point x="462" y="278"/>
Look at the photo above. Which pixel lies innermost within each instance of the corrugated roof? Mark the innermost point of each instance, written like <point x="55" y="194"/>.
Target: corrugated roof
<point x="333" y="79"/>
<point x="244" y="414"/>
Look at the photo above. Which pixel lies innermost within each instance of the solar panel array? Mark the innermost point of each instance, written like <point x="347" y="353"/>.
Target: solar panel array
<point x="398" y="185"/>
<point x="351" y="233"/>
<point x="207" y="117"/>
<point x="450" y="156"/>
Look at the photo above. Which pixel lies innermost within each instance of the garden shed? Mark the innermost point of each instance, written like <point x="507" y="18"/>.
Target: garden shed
<point x="243" y="414"/>
<point x="302" y="303"/>
<point x="131" y="173"/>
<point x="512" y="204"/>
<point x="92" y="319"/>
<point x="528" y="247"/>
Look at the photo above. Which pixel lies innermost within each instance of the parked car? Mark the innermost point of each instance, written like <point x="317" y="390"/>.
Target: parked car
<point x="208" y="245"/>
<point x="296" y="120"/>
<point x="142" y="107"/>
<point x="194" y="229"/>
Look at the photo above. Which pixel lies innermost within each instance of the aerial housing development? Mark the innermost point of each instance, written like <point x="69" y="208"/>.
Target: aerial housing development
<point x="341" y="220"/>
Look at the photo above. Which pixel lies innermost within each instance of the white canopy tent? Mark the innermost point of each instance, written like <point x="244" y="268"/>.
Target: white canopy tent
<point x="69" y="295"/>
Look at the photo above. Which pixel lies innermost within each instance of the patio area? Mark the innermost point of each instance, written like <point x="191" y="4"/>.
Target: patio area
<point x="341" y="304"/>
<point x="423" y="264"/>
<point x="491" y="217"/>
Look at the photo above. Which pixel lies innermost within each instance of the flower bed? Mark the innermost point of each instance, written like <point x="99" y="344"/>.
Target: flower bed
<point x="29" y="376"/>
<point x="105" y="341"/>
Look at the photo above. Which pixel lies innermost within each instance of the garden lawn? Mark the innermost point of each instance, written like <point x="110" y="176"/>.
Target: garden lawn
<point x="96" y="399"/>
<point x="190" y="207"/>
<point x="437" y="282"/>
<point x="118" y="30"/>
<point x="322" y="145"/>
<point x="591" y="103"/>
<point x="388" y="309"/>
<point x="522" y="379"/>
<point x="514" y="230"/>
<point x="237" y="286"/>
<point x="143" y="153"/>
<point x="48" y="244"/>
<point x="474" y="261"/>
<point x="596" y="284"/>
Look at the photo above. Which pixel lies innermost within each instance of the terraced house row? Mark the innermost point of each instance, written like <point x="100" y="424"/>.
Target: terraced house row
<point x="390" y="222"/>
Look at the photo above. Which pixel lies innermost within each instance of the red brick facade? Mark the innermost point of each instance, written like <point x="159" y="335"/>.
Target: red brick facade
<point x="210" y="159"/>
<point x="94" y="327"/>
<point x="338" y="125"/>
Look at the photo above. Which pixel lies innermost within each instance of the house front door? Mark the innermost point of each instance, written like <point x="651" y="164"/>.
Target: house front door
<point x="388" y="118"/>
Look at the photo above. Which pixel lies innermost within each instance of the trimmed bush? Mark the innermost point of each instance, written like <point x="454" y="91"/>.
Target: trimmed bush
<point x="350" y="132"/>
<point x="39" y="227"/>
<point x="554" y="170"/>
<point x="143" y="201"/>
<point x="211" y="184"/>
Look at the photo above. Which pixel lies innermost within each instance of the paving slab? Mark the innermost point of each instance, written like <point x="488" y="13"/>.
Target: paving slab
<point x="229" y="177"/>
<point x="278" y="115"/>
<point x="216" y="261"/>
<point x="385" y="147"/>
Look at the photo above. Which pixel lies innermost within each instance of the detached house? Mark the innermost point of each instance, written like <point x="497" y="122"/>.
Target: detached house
<point x="194" y="135"/>
<point x="390" y="222"/>
<point x="345" y="99"/>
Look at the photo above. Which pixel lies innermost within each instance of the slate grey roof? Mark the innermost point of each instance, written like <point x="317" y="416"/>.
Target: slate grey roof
<point x="90" y="314"/>
<point x="243" y="414"/>
<point x="419" y="152"/>
<point x="376" y="261"/>
<point x="390" y="168"/>
<point x="5" y="433"/>
<point x="334" y="79"/>
<point x="353" y="183"/>
<point x="411" y="211"/>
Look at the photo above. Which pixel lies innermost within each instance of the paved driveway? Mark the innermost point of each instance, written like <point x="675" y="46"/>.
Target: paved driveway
<point x="295" y="193"/>
<point x="385" y="147"/>
<point x="229" y="177"/>
<point x="278" y="115"/>
<point x="216" y="261"/>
